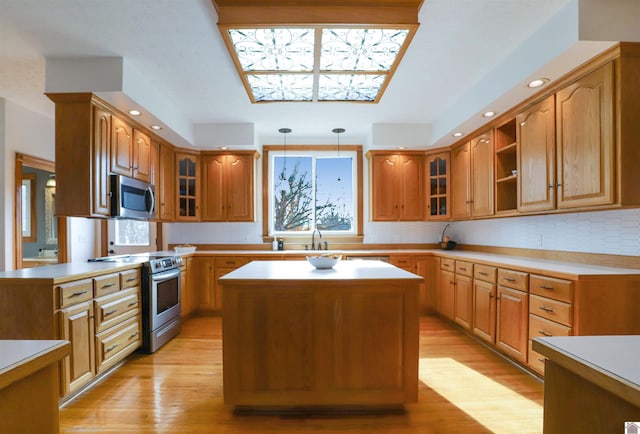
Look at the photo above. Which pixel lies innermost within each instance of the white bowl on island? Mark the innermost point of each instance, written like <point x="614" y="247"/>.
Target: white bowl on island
<point x="324" y="261"/>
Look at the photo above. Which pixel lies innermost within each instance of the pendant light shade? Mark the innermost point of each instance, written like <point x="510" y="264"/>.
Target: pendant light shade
<point x="284" y="132"/>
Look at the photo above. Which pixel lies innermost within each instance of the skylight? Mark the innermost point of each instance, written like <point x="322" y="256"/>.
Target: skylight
<point x="315" y="63"/>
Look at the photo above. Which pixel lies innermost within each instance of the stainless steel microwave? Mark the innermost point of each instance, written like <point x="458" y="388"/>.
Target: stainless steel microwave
<point x="132" y="199"/>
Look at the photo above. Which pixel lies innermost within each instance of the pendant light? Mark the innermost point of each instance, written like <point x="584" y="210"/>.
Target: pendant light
<point x="338" y="131"/>
<point x="284" y="131"/>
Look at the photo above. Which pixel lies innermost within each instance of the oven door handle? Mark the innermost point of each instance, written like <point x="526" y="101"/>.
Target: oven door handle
<point x="165" y="275"/>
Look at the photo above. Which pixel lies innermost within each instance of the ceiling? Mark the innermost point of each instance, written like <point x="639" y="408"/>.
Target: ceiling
<point x="447" y="76"/>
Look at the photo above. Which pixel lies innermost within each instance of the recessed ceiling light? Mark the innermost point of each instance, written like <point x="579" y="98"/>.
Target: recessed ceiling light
<point x="457" y="134"/>
<point x="488" y="114"/>
<point x="156" y="127"/>
<point x="402" y="147"/>
<point x="224" y="148"/>
<point x="135" y="112"/>
<point x="538" y="82"/>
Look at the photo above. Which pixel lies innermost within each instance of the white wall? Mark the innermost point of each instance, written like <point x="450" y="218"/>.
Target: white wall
<point x="609" y="232"/>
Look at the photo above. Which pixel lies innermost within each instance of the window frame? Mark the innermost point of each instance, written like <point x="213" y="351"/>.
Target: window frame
<point x="317" y="150"/>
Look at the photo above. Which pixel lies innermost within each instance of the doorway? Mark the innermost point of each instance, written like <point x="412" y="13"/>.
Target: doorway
<point x="40" y="236"/>
<point x="127" y="237"/>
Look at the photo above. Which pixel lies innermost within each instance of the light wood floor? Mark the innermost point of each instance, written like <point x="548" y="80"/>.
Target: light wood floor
<point x="464" y="388"/>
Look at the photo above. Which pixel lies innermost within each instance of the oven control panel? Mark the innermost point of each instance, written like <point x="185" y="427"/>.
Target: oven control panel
<point x="163" y="264"/>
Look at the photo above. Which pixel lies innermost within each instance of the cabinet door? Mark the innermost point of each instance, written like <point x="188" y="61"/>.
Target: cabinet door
<point x="141" y="167"/>
<point x="484" y="310"/>
<point x="536" y="157"/>
<point x="461" y="181"/>
<point x="463" y="301"/>
<point x="482" y="182"/>
<point x="239" y="187"/>
<point x="411" y="182"/>
<point x="76" y="326"/>
<point x="446" y="294"/>
<point x="188" y="185"/>
<point x="383" y="188"/>
<point x="101" y="155"/>
<point x="585" y="141"/>
<point x="205" y="284"/>
<point x="121" y="144"/>
<point x="166" y="192"/>
<point x="214" y="201"/>
<point x="438" y="186"/>
<point x="513" y="322"/>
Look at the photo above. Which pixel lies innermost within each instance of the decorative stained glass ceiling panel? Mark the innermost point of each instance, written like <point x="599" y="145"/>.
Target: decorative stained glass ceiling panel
<point x="315" y="63"/>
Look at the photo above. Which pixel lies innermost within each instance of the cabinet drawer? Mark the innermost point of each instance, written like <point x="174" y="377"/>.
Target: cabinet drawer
<point x="75" y="292"/>
<point x="231" y="261"/>
<point x="558" y="289"/>
<point x="403" y="261"/>
<point x="103" y="285"/>
<point x="535" y="360"/>
<point x="447" y="264"/>
<point x="116" y="343"/>
<point x="551" y="309"/>
<point x="540" y="327"/>
<point x="485" y="272"/>
<point x="130" y="279"/>
<point x="115" y="308"/>
<point x="513" y="279"/>
<point x="464" y="268"/>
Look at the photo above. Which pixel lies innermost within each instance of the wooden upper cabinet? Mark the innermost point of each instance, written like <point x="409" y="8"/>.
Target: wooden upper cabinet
<point x="438" y="182"/>
<point x="142" y="156"/>
<point x="397" y="187"/>
<point x="536" y="157"/>
<point x="585" y="140"/>
<point x="188" y="186"/>
<point x="165" y="184"/>
<point x="130" y="151"/>
<point x="482" y="180"/>
<point x="121" y="145"/>
<point x="461" y="181"/>
<point x="228" y="187"/>
<point x="101" y="204"/>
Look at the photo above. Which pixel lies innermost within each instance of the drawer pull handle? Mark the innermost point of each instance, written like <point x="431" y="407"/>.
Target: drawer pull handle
<point x="79" y="293"/>
<point x="543" y="333"/>
<point x="462" y="269"/>
<point x="133" y="335"/>
<point x="509" y="279"/>
<point x="111" y="312"/>
<point x="111" y="348"/>
<point x="546" y="309"/>
<point x="132" y="279"/>
<point x="133" y="303"/>
<point x="541" y="360"/>
<point x="482" y="273"/>
<point x="108" y="285"/>
<point x="550" y="288"/>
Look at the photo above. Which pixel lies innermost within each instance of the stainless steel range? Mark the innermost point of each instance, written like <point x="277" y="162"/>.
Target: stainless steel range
<point x="161" y="287"/>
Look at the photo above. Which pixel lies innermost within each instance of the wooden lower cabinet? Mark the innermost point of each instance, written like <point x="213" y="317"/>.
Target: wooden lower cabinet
<point x="484" y="310"/>
<point x="77" y="326"/>
<point x="463" y="303"/>
<point x="120" y="339"/>
<point x="512" y="323"/>
<point x="446" y="294"/>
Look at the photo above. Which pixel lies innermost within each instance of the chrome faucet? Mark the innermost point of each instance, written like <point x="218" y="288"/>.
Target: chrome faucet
<point x="313" y="240"/>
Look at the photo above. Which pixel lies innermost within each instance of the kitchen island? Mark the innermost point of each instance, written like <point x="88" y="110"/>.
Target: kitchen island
<point x="299" y="337"/>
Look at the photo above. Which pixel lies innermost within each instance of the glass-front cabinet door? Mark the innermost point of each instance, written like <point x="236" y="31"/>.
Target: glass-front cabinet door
<point x="188" y="182"/>
<point x="438" y="186"/>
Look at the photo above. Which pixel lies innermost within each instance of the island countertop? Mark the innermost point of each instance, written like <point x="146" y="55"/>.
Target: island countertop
<point x="303" y="271"/>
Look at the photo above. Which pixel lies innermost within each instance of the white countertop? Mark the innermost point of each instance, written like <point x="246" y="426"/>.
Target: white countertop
<point x="66" y="271"/>
<point x="612" y="362"/>
<point x="302" y="270"/>
<point x="19" y="358"/>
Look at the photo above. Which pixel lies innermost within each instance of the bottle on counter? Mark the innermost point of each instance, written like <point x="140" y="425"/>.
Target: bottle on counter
<point x="274" y="245"/>
<point x="280" y="244"/>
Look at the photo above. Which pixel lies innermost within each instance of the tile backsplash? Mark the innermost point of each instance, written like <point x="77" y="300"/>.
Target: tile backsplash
<point x="610" y="232"/>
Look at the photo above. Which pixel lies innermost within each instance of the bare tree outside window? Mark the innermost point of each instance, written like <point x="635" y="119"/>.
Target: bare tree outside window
<point x="132" y="233"/>
<point x="304" y="202"/>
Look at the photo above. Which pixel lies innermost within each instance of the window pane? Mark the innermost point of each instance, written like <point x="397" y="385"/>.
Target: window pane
<point x="132" y="233"/>
<point x="334" y="196"/>
<point x="292" y="192"/>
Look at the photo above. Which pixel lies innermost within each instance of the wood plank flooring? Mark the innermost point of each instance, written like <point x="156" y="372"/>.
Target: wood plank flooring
<point x="464" y="388"/>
